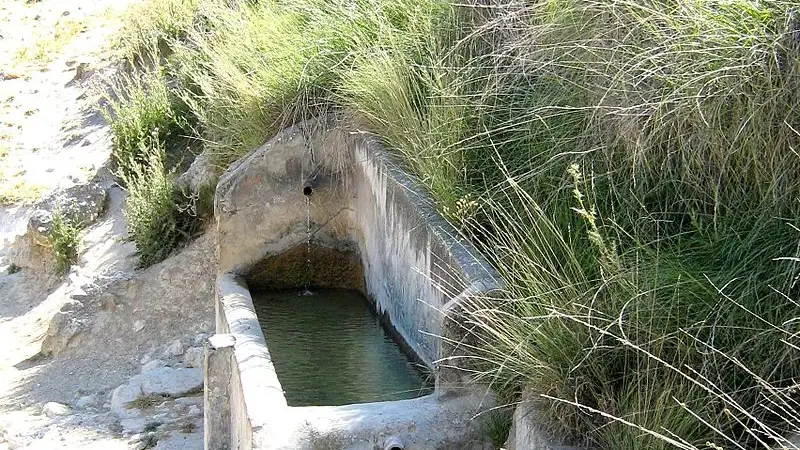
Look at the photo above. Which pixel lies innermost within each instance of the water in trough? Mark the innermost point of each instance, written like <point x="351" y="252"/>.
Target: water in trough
<point x="329" y="348"/>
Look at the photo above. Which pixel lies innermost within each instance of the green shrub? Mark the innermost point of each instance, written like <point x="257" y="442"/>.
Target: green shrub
<point x="141" y="111"/>
<point x="63" y="241"/>
<point x="159" y="216"/>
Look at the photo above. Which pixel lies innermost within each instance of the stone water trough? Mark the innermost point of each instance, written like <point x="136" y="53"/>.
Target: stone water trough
<point x="372" y="230"/>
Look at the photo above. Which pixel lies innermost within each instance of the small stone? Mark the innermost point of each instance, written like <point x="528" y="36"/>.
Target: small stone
<point x="53" y="409"/>
<point x="194" y="357"/>
<point x="86" y="401"/>
<point x="81" y="71"/>
<point x="200" y="338"/>
<point x="194" y="410"/>
<point x="138" y="325"/>
<point x="174" y="349"/>
<point x="153" y="365"/>
<point x="109" y="303"/>
<point x="169" y="382"/>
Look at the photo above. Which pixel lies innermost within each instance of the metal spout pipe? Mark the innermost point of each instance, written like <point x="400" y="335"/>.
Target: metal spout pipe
<point x="312" y="181"/>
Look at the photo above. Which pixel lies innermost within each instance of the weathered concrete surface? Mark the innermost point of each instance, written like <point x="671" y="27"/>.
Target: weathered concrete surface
<point x="260" y="207"/>
<point x="527" y="432"/>
<point x="328" y="267"/>
<point x="216" y="396"/>
<point x="429" y="422"/>
<point x="372" y="229"/>
<point x="255" y="395"/>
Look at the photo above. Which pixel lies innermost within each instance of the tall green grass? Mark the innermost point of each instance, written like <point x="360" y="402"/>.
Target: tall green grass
<point x="629" y="167"/>
<point x="154" y="24"/>
<point x="142" y="112"/>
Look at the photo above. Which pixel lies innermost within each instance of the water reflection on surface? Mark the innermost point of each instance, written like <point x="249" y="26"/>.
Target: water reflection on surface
<point x="330" y="349"/>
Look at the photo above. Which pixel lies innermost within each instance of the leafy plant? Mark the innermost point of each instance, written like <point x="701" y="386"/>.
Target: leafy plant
<point x="160" y="217"/>
<point x="64" y="241"/>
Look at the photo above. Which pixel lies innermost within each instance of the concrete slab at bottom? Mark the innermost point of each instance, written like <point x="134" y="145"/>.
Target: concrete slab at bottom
<point x="451" y="421"/>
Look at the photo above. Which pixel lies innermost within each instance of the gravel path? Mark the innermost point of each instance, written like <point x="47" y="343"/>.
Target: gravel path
<point x="51" y="51"/>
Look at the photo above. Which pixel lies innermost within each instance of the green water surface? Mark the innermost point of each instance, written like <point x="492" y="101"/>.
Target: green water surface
<point x="330" y="349"/>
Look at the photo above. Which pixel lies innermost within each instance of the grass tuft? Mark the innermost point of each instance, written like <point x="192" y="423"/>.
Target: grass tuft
<point x="153" y="24"/>
<point x="146" y="401"/>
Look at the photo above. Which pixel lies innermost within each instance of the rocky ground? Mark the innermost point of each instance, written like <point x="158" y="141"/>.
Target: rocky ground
<point x="107" y="356"/>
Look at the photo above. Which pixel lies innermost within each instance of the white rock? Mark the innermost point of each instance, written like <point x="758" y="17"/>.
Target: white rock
<point x="69" y="322"/>
<point x="194" y="357"/>
<point x="194" y="411"/>
<point x="152" y="365"/>
<point x="144" y="438"/>
<point x="138" y="325"/>
<point x="200" y="173"/>
<point x="174" y="349"/>
<point x="171" y="382"/>
<point x="53" y="409"/>
<point x="124" y="395"/>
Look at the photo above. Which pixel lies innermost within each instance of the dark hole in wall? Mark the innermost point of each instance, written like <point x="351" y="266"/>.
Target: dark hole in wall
<point x="330" y="268"/>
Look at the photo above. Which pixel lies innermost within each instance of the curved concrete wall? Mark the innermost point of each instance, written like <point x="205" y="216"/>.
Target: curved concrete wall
<point x="415" y="269"/>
